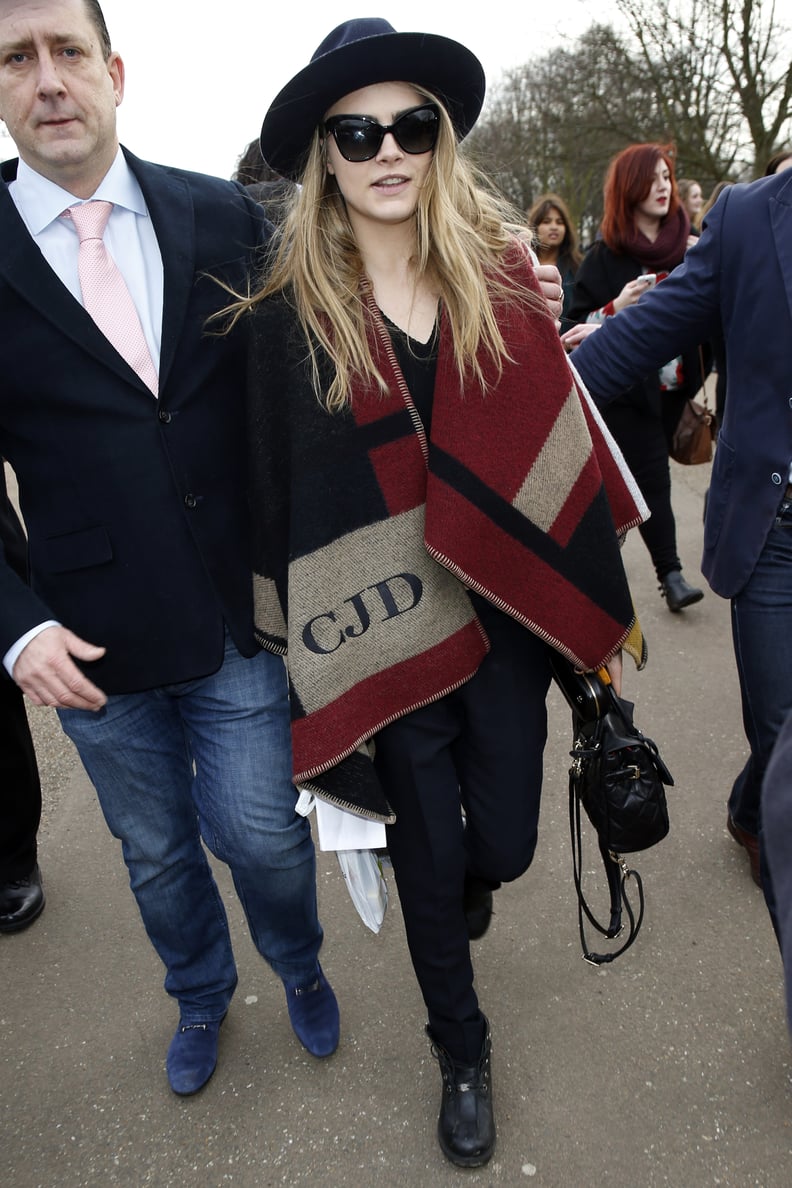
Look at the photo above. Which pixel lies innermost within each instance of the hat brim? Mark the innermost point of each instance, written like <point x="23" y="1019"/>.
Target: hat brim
<point x="445" y="67"/>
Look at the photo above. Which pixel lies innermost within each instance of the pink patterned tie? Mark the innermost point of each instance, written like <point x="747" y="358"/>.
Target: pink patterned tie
<point x="105" y="295"/>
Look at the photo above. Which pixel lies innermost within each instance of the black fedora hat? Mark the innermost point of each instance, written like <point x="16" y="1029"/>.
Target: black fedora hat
<point x="355" y="55"/>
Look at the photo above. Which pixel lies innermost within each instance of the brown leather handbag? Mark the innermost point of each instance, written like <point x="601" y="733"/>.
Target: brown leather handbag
<point x="694" y="434"/>
<point x="696" y="429"/>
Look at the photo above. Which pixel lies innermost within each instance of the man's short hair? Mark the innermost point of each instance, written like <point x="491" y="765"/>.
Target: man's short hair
<point x="96" y="17"/>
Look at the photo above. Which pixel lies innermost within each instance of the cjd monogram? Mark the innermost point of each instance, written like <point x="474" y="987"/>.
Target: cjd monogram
<point x="394" y="595"/>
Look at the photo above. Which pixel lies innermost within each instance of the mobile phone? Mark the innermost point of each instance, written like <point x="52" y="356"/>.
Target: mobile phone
<point x="649" y="279"/>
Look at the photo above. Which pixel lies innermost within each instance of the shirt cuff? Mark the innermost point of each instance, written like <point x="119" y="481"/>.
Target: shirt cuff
<point x="13" y="653"/>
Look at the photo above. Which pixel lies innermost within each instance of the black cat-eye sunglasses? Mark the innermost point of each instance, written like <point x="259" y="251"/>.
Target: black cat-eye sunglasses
<point x="359" y="138"/>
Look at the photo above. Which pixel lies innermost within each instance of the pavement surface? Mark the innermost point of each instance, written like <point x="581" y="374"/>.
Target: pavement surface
<point x="670" y="1067"/>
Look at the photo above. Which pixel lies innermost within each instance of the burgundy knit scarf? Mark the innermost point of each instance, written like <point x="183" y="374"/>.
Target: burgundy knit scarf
<point x="666" y="251"/>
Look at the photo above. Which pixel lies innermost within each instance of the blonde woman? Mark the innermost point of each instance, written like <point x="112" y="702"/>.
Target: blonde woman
<point x="429" y="503"/>
<point x="692" y="199"/>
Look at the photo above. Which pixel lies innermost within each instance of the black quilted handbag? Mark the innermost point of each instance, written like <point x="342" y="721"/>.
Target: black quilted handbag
<point x="619" y="778"/>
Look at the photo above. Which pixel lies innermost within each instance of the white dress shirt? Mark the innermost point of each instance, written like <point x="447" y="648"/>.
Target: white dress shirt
<point x="131" y="241"/>
<point x="129" y="237"/>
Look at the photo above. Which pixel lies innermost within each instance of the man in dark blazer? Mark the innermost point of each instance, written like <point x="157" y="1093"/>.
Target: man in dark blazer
<point x="137" y="624"/>
<point x="737" y="280"/>
<point x="21" y="891"/>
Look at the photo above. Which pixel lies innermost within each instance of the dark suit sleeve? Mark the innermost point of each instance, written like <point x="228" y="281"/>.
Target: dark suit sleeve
<point x="21" y="609"/>
<point x="671" y="320"/>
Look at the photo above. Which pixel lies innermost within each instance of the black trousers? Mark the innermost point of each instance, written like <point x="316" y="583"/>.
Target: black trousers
<point x="20" y="788"/>
<point x="643" y="439"/>
<point x="480" y="750"/>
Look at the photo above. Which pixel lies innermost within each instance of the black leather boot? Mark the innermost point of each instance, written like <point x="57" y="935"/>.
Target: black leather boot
<point x="677" y="592"/>
<point x="466" y="1126"/>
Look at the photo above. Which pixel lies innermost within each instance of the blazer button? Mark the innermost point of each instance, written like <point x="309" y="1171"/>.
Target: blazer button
<point x="190" y="501"/>
<point x="164" y="416"/>
<point x="776" y="477"/>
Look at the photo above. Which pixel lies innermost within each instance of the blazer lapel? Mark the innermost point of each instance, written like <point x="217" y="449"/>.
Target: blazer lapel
<point x="170" y="205"/>
<point x="781" y="222"/>
<point x="24" y="268"/>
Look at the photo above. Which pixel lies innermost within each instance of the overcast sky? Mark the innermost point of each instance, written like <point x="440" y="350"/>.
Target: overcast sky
<point x="200" y="77"/>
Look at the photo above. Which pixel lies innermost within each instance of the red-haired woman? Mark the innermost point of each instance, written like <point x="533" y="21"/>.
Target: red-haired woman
<point x="643" y="236"/>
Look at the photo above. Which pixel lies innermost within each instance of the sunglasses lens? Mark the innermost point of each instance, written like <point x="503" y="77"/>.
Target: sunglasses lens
<point x="357" y="139"/>
<point x="416" y="132"/>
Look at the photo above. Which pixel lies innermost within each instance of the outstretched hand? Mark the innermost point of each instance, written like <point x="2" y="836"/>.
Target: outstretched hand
<point x="45" y="671"/>
<point x="578" y="334"/>
<point x="632" y="291"/>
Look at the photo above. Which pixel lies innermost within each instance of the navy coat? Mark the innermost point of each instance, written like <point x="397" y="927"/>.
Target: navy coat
<point x="737" y="278"/>
<point x="135" y="508"/>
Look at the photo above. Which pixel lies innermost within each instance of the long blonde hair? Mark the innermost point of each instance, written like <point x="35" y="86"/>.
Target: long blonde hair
<point x="463" y="233"/>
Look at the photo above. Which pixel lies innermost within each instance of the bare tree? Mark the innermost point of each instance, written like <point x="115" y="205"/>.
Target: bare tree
<point x="714" y="77"/>
<point x="554" y="123"/>
<point x="723" y="71"/>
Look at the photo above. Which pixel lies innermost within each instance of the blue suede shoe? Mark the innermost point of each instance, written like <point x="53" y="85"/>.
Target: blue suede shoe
<point x="313" y="1011"/>
<point x="192" y="1056"/>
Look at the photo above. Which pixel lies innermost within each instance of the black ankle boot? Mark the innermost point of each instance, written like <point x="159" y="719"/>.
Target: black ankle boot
<point x="478" y="906"/>
<point x="677" y="592"/>
<point x="466" y="1126"/>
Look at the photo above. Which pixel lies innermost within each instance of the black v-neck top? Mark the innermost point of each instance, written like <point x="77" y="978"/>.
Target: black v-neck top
<point x="418" y="363"/>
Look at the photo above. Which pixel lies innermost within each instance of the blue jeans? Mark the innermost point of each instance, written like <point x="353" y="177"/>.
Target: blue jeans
<point x="762" y="631"/>
<point x="207" y="758"/>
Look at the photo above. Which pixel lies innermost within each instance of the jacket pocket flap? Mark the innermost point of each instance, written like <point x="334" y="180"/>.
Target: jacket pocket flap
<point x="75" y="550"/>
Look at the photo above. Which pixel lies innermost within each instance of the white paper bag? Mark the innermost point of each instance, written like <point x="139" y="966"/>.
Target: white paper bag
<point x="353" y="838"/>
<point x="339" y="830"/>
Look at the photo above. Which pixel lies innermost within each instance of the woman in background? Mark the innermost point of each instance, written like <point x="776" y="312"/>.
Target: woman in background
<point x="644" y="234"/>
<point x="556" y="242"/>
<point x="779" y="162"/>
<point x="692" y="199"/>
<point x="262" y="183"/>
<point x="715" y="194"/>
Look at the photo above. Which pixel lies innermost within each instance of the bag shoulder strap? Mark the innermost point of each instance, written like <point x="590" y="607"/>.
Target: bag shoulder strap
<point x="617" y="873"/>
